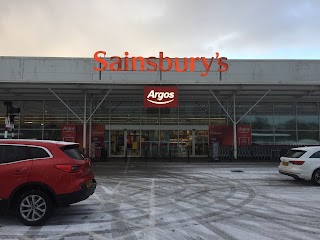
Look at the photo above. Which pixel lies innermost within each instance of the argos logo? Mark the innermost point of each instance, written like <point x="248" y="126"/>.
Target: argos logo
<point x="160" y="97"/>
<point x="69" y="129"/>
<point x="244" y="129"/>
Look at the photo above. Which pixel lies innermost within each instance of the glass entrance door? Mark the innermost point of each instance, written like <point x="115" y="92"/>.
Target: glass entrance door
<point x="133" y="143"/>
<point x="201" y="143"/>
<point x="158" y="143"/>
<point x="150" y="143"/>
<point x="174" y="143"/>
<point x="117" y="142"/>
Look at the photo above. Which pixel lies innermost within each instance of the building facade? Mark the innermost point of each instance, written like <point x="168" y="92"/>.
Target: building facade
<point x="277" y="99"/>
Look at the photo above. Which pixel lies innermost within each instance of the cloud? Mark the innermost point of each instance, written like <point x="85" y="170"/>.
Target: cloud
<point x="236" y="29"/>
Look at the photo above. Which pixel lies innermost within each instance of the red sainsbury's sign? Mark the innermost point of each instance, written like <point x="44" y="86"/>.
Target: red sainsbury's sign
<point x="160" y="97"/>
<point x="162" y="63"/>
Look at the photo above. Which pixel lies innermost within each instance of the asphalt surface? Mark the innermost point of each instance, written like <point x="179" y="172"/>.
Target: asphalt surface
<point x="184" y="201"/>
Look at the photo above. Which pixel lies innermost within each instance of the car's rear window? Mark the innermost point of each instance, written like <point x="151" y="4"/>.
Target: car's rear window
<point x="73" y="151"/>
<point x="294" y="153"/>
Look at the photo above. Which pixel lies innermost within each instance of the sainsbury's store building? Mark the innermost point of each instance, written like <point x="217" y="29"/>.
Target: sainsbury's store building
<point x="159" y="112"/>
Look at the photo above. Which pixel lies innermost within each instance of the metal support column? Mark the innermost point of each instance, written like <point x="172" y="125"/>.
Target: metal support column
<point x="43" y="119"/>
<point x="234" y="120"/>
<point x="85" y="123"/>
<point x="90" y="128"/>
<point x="235" y="150"/>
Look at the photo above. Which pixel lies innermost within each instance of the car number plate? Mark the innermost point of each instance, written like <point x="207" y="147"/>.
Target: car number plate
<point x="285" y="163"/>
<point x="89" y="183"/>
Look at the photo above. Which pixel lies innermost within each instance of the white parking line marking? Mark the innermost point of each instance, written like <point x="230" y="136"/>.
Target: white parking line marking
<point x="151" y="214"/>
<point x="107" y="191"/>
<point x="116" y="187"/>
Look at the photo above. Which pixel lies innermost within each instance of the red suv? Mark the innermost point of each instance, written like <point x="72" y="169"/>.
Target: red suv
<point x="38" y="175"/>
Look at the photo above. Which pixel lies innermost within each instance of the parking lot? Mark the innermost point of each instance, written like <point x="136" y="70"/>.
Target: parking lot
<point x="184" y="201"/>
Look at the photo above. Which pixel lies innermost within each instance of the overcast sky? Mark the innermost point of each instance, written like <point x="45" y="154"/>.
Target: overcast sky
<point x="237" y="29"/>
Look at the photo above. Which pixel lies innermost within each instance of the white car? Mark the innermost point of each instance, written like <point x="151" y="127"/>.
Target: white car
<point x="302" y="163"/>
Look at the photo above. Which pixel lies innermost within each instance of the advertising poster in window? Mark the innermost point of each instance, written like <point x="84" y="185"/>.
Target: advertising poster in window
<point x="224" y="135"/>
<point x="97" y="140"/>
<point x="68" y="133"/>
<point x="244" y="135"/>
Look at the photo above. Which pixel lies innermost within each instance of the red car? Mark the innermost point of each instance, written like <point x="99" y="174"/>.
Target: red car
<point x="38" y="175"/>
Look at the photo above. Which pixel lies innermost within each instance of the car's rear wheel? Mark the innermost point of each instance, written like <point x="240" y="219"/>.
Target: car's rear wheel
<point x="34" y="207"/>
<point x="316" y="176"/>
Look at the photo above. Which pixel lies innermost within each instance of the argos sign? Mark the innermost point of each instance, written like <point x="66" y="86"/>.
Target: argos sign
<point x="69" y="133"/>
<point x="160" y="97"/>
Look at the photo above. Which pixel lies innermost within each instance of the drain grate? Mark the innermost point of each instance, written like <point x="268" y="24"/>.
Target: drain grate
<point x="236" y="171"/>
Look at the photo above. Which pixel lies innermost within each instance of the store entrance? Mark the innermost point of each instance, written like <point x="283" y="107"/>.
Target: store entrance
<point x="133" y="143"/>
<point x="117" y="143"/>
<point x="159" y="143"/>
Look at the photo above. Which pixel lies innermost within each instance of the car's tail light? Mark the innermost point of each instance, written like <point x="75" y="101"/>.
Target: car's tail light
<point x="69" y="168"/>
<point x="297" y="162"/>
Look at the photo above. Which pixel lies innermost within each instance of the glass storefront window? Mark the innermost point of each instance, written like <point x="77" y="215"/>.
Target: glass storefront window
<point x="261" y="122"/>
<point x="241" y="108"/>
<point x="55" y="115"/>
<point x="185" y="143"/>
<point x="150" y="116"/>
<point x="117" y="142"/>
<point x="195" y="113"/>
<point x="149" y="142"/>
<point x="218" y="121"/>
<point x="149" y="139"/>
<point x="262" y="137"/>
<point x="168" y="144"/>
<point x="77" y="108"/>
<point x="293" y="123"/>
<point x="168" y="116"/>
<point x="29" y="134"/>
<point x="308" y="137"/>
<point x="262" y="116"/>
<point x="52" y="134"/>
<point x="127" y="113"/>
<point x="307" y="116"/>
<point x="31" y="114"/>
<point x="176" y="143"/>
<point x="3" y="111"/>
<point x="201" y="142"/>
<point x="133" y="142"/>
<point x="216" y="111"/>
<point x="284" y="116"/>
<point x="246" y="120"/>
<point x="101" y="115"/>
<point x="285" y="137"/>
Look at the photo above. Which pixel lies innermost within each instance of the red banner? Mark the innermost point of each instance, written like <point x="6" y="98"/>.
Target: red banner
<point x="97" y="140"/>
<point x="224" y="135"/>
<point x="69" y="133"/>
<point x="160" y="97"/>
<point x="244" y="135"/>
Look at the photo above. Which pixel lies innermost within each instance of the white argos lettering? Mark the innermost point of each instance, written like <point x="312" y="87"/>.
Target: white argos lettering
<point x="244" y="130"/>
<point x="68" y="129"/>
<point x="160" y="95"/>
